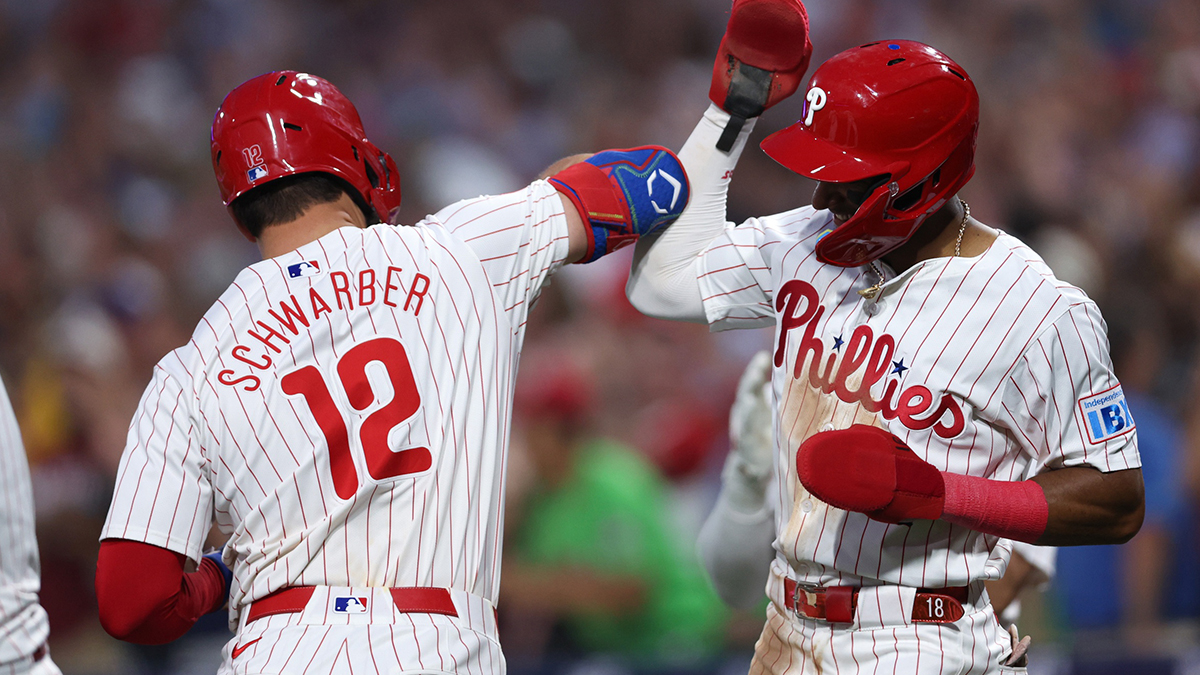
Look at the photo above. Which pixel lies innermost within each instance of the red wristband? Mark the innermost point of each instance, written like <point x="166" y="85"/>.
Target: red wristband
<point x="1011" y="509"/>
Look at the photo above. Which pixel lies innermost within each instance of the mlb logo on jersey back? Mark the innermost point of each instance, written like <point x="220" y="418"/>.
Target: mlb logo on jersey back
<point x="1106" y="415"/>
<point x="349" y="604"/>
<point x="305" y="268"/>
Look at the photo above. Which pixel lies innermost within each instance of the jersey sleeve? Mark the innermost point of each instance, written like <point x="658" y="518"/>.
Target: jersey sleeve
<point x="1064" y="401"/>
<point x="520" y="237"/>
<point x="735" y="279"/>
<point x="163" y="495"/>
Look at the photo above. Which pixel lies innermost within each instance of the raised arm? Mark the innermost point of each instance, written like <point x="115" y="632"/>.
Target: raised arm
<point x="663" y="280"/>
<point x="762" y="57"/>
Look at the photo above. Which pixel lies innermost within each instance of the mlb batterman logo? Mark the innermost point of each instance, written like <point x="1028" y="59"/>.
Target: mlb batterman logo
<point x="304" y="268"/>
<point x="1106" y="415"/>
<point x="349" y="604"/>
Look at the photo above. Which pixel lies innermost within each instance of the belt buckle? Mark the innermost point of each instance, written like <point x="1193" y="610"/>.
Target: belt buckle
<point x="806" y="601"/>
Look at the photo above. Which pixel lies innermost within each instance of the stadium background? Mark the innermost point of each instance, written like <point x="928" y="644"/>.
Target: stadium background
<point x="113" y="243"/>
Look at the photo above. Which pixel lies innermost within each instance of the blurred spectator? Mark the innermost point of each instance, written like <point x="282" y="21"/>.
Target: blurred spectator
<point x="592" y="557"/>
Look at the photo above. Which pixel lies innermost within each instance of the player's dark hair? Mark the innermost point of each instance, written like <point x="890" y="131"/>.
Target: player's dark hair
<point x="286" y="199"/>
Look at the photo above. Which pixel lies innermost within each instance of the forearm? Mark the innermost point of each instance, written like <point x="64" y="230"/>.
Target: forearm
<point x="145" y="597"/>
<point x="735" y="549"/>
<point x="1089" y="507"/>
<point x="867" y="469"/>
<point x="1065" y="507"/>
<point x="663" y="281"/>
<point x="735" y="541"/>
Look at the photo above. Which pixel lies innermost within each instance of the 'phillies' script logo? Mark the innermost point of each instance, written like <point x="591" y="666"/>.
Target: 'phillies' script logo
<point x="798" y="306"/>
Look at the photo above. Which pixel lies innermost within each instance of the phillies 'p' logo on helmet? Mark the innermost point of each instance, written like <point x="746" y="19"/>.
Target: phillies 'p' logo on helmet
<point x="285" y="123"/>
<point x="899" y="110"/>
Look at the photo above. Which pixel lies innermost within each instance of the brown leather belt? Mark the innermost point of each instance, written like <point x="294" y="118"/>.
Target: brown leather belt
<point x="836" y="604"/>
<point x="410" y="600"/>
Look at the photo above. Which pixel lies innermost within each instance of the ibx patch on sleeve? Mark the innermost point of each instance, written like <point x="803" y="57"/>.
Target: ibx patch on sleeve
<point x="1106" y="415"/>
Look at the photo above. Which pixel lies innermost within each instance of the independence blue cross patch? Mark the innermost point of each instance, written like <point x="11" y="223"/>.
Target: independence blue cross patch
<point x="348" y="604"/>
<point x="1106" y="415"/>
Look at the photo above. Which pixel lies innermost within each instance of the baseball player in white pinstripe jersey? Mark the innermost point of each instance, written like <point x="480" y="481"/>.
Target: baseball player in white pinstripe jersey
<point x="735" y="542"/>
<point x="342" y="411"/>
<point x="925" y="365"/>
<point x="23" y="623"/>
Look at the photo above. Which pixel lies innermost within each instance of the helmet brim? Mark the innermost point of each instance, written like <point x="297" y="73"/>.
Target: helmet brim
<point x="802" y="152"/>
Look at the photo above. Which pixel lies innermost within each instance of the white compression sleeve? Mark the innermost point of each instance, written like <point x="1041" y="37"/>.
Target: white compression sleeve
<point x="663" y="282"/>
<point x="735" y="541"/>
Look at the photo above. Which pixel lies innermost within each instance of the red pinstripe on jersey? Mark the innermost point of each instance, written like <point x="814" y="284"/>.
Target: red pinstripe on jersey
<point x="324" y="363"/>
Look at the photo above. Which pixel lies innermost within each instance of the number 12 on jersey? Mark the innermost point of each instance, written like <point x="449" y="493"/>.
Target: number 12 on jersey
<point x="378" y="457"/>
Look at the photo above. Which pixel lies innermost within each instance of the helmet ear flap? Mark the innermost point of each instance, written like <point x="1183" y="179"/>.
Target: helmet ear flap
<point x="372" y="177"/>
<point x="854" y="242"/>
<point x="380" y="170"/>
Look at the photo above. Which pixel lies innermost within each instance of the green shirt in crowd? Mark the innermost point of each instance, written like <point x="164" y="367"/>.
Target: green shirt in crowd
<point x="612" y="515"/>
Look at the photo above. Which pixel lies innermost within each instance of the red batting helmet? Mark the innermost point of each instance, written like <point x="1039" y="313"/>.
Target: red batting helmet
<point x="284" y="123"/>
<point x="900" y="110"/>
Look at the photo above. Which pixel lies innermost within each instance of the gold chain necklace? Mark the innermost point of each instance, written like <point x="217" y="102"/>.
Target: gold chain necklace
<point x="870" y="293"/>
<point x="962" y="228"/>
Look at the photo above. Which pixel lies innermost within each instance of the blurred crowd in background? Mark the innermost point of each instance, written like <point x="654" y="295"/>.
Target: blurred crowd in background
<point x="113" y="242"/>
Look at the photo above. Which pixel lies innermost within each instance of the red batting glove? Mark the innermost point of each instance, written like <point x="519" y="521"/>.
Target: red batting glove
<point x="869" y="470"/>
<point x="761" y="60"/>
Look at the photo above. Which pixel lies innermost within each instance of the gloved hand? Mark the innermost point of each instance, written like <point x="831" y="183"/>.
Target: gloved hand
<point x="761" y="60"/>
<point x="866" y="469"/>
<point x="752" y="446"/>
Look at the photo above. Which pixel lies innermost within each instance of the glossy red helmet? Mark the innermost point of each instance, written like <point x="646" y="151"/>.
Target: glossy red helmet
<point x="284" y="123"/>
<point x="898" y="110"/>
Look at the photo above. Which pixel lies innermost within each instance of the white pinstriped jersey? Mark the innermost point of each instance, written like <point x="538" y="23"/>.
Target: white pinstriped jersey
<point x="986" y="366"/>
<point x="342" y="411"/>
<point x="23" y="623"/>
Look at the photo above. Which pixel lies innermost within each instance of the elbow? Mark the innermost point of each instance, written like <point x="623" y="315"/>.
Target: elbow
<point x="125" y="613"/>
<point x="1129" y="523"/>
<point x="116" y="620"/>
<point x="125" y="618"/>
<point x="131" y="629"/>
<point x="642" y="295"/>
